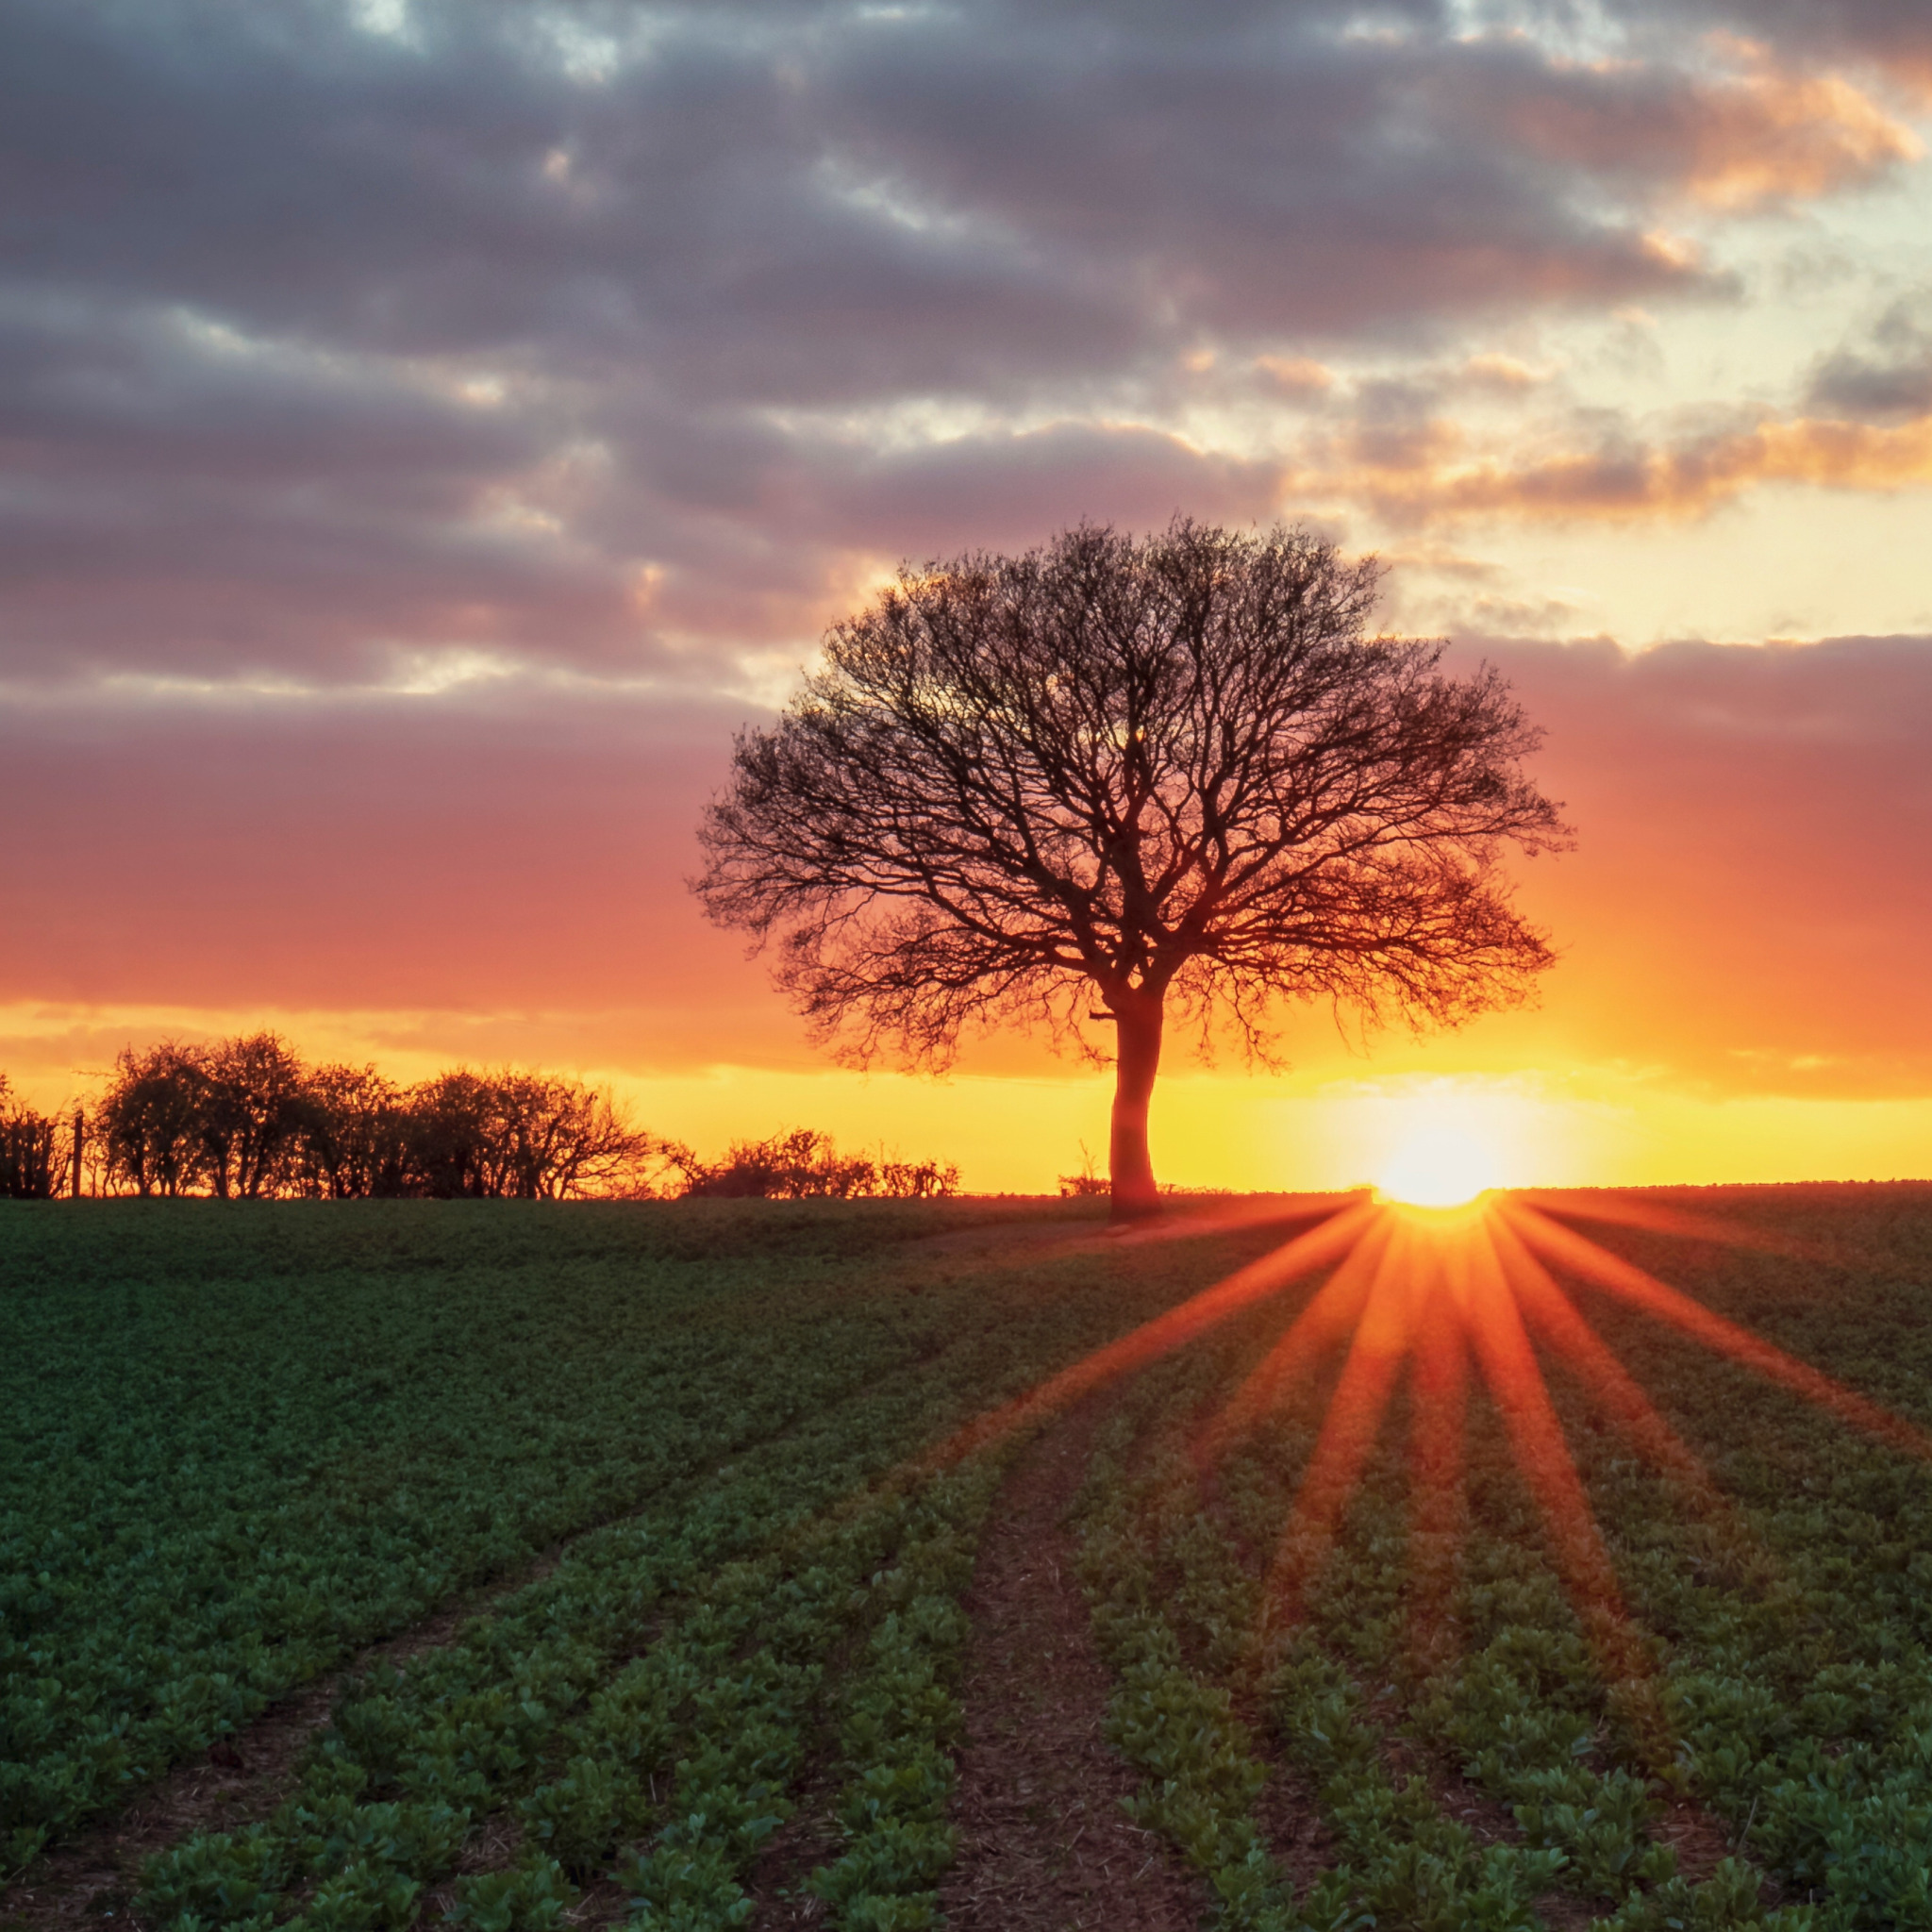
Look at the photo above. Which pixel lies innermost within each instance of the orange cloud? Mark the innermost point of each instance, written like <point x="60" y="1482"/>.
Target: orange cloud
<point x="1763" y="133"/>
<point x="443" y="879"/>
<point x="1736" y="912"/>
<point x="1775" y="136"/>
<point x="1690" y="477"/>
<point x="1296" y="375"/>
<point x="1423" y="475"/>
<point x="1501" y="373"/>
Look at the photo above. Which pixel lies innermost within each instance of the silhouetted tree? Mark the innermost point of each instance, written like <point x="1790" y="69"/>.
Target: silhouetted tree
<point x="918" y="1180"/>
<point x="798" y="1165"/>
<point x="225" y="1117"/>
<point x="244" y="1117"/>
<point x="452" y="1142"/>
<point x="149" y="1119"/>
<point x="563" y="1137"/>
<point x="354" y="1140"/>
<point x="35" y="1149"/>
<point x="249" y="1114"/>
<point x="521" y="1136"/>
<point x="803" y="1164"/>
<point x="1177" y="771"/>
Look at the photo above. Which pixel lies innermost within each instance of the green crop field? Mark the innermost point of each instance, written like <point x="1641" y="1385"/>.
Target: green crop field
<point x="709" y="1481"/>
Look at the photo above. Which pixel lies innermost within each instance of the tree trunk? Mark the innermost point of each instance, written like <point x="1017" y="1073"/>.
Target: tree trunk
<point x="1138" y="1032"/>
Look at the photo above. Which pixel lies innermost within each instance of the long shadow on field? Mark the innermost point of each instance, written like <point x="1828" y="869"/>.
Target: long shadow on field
<point x="1043" y="1841"/>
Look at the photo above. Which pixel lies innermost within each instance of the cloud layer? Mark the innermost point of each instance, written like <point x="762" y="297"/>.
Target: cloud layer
<point x="1745" y="910"/>
<point x="333" y="335"/>
<point x="427" y="427"/>
<point x="1745" y="906"/>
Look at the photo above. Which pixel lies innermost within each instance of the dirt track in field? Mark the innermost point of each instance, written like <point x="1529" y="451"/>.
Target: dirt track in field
<point x="1044" y="1845"/>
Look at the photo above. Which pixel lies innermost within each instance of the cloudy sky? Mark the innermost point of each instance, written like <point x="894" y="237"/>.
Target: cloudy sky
<point x="431" y="429"/>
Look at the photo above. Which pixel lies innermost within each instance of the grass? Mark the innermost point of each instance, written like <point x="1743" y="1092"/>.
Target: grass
<point x="238" y="1443"/>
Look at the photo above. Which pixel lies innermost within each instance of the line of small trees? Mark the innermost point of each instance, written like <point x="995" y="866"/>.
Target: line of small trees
<point x="248" y="1119"/>
<point x="803" y="1164"/>
<point x="35" y="1150"/>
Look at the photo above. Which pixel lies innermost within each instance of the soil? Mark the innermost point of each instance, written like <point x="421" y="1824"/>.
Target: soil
<point x="1700" y="1841"/>
<point x="1492" y="1822"/>
<point x="91" y="1878"/>
<point x="1044" y="1845"/>
<point x="1044" y="1842"/>
<point x="809" y="1839"/>
<point x="1292" y="1826"/>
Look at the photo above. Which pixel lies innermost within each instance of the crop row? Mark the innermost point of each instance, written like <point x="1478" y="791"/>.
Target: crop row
<point x="1408" y="1658"/>
<point x="144" y="1615"/>
<point x="641" y="1712"/>
<point x="1797" y="1676"/>
<point x="1770" y="1666"/>
<point x="255" y="1450"/>
<point x="676" y="1763"/>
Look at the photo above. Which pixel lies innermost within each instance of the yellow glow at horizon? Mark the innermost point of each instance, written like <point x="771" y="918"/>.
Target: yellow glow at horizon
<point x="1443" y="1162"/>
<point x="1596" y="1126"/>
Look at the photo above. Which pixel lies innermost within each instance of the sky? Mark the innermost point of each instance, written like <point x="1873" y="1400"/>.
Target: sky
<point x="429" y="432"/>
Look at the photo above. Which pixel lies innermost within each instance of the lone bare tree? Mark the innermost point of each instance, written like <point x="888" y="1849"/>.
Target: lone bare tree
<point x="1113" y="776"/>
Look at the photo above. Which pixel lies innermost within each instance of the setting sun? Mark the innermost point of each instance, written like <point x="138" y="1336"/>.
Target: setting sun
<point x="1441" y="1164"/>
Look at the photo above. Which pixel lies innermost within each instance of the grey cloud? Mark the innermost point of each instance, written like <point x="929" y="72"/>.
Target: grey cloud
<point x="812" y="499"/>
<point x="174" y="500"/>
<point x="1010" y="489"/>
<point x="1279" y="176"/>
<point x="1051" y="190"/>
<point x="1894" y="34"/>
<point x="464" y="197"/>
<point x="1888" y="376"/>
<point x="315" y="339"/>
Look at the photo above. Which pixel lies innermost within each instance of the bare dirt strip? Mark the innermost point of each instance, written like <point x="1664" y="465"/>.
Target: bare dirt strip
<point x="1043" y="1840"/>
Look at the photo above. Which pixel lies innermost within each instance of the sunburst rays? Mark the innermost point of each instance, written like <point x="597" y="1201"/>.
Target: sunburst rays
<point x="1439" y="1301"/>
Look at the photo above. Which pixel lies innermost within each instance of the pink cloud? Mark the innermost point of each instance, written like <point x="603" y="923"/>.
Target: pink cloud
<point x="1743" y="910"/>
<point x="1743" y="907"/>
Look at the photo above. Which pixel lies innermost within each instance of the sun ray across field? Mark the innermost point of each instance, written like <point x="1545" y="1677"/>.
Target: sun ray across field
<point x="1601" y="1267"/>
<point x="1617" y="1209"/>
<point x="1441" y="1298"/>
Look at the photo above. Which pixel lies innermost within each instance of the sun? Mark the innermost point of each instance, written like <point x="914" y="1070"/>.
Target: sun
<point x="1442" y="1163"/>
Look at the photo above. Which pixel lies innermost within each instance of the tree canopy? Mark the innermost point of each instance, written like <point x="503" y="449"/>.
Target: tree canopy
<point x="1115" y="775"/>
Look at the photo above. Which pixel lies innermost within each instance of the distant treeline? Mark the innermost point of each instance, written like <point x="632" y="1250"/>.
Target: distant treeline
<point x="247" y="1119"/>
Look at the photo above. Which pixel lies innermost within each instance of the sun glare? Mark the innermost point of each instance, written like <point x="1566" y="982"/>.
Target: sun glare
<point x="1443" y="1164"/>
